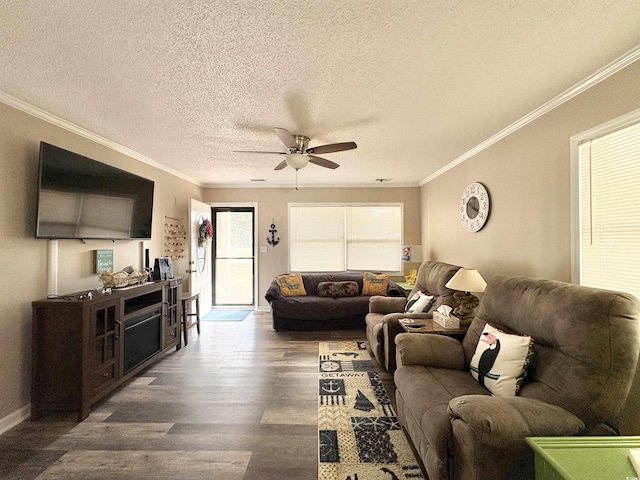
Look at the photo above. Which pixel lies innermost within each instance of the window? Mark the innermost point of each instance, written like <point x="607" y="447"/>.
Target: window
<point x="609" y="210"/>
<point x="332" y="238"/>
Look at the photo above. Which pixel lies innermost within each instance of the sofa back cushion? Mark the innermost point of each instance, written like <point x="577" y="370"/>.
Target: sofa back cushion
<point x="312" y="280"/>
<point x="586" y="342"/>
<point x="431" y="280"/>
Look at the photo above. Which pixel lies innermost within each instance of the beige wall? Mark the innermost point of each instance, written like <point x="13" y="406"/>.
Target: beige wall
<point x="273" y="204"/>
<point x="24" y="258"/>
<point x="527" y="176"/>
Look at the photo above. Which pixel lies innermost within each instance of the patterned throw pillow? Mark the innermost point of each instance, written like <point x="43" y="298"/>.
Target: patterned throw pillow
<point x="291" y="285"/>
<point x="374" y="284"/>
<point x="501" y="361"/>
<point x="338" y="289"/>
<point x="419" y="303"/>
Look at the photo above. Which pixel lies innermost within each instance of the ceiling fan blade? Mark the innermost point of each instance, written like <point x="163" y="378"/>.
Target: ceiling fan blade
<point x="281" y="165"/>
<point x="332" y="147"/>
<point x="286" y="138"/>
<point x="323" y="162"/>
<point x="254" y="151"/>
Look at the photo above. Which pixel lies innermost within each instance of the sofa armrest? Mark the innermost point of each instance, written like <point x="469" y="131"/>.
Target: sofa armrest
<point x="394" y="290"/>
<point x="429" y="350"/>
<point x="489" y="434"/>
<point x="501" y="421"/>
<point x="384" y="305"/>
<point x="273" y="293"/>
<point x="392" y="327"/>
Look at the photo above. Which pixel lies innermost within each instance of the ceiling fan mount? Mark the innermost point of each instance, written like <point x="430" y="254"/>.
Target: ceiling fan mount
<point x="298" y="153"/>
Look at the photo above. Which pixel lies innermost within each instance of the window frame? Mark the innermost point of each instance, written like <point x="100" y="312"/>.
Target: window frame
<point x="400" y="205"/>
<point x="606" y="128"/>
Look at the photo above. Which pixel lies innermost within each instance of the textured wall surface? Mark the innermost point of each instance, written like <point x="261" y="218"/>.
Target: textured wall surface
<point x="188" y="82"/>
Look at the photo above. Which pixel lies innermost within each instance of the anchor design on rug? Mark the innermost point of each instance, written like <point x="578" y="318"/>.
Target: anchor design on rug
<point x="331" y="391"/>
<point x="329" y="388"/>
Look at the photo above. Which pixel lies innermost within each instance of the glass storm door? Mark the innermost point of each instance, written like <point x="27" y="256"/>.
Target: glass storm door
<point x="233" y="268"/>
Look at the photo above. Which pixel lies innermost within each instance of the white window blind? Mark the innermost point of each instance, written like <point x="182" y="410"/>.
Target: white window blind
<point x="330" y="238"/>
<point x="316" y="239"/>
<point x="610" y="211"/>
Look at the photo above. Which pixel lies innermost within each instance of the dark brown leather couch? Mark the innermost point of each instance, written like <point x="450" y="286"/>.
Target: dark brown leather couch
<point x="311" y="312"/>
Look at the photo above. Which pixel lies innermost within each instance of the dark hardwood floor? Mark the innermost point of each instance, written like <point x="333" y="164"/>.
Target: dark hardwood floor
<point x="239" y="402"/>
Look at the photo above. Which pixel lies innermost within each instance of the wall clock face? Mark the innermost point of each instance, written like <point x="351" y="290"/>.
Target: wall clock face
<point x="474" y="207"/>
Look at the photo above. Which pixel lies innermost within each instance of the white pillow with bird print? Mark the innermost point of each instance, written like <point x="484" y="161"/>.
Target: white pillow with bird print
<point x="419" y="303"/>
<point x="501" y="360"/>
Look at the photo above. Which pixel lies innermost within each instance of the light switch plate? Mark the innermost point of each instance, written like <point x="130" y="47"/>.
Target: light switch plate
<point x="263" y="249"/>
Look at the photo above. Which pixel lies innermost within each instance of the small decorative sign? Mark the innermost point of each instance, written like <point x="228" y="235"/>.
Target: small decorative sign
<point x="103" y="261"/>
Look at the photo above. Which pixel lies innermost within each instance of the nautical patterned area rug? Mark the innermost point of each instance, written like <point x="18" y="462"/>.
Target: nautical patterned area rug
<point x="359" y="437"/>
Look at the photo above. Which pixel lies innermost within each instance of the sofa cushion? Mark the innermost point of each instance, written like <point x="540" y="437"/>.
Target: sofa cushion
<point x="427" y="392"/>
<point x="501" y="361"/>
<point x="338" y="289"/>
<point x="291" y="285"/>
<point x="374" y="284"/>
<point x="419" y="303"/>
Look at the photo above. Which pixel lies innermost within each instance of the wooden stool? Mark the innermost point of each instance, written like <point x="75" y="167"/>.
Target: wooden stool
<point x="189" y="297"/>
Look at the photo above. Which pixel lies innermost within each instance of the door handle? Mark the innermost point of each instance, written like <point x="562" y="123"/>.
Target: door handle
<point x="191" y="271"/>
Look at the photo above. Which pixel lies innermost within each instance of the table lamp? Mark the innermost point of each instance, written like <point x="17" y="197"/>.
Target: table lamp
<point x="466" y="280"/>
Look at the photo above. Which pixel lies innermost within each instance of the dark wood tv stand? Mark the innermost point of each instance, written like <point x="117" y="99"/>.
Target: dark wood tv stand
<point x="83" y="347"/>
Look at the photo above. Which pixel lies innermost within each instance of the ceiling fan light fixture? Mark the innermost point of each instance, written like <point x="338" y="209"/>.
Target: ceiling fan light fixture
<point x="296" y="160"/>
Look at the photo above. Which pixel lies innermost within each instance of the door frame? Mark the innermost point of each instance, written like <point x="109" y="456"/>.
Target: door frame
<point x="256" y="246"/>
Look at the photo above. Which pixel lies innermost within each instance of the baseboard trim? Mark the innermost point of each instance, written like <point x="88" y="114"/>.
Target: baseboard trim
<point x="14" y="418"/>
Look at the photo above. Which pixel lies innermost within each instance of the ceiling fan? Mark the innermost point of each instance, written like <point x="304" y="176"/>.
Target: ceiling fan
<point x="298" y="153"/>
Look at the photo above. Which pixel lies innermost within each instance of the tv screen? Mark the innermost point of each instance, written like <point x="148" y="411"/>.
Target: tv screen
<point x="85" y="199"/>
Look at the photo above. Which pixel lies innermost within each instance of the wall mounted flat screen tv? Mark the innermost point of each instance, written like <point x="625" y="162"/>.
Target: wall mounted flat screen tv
<point x="85" y="199"/>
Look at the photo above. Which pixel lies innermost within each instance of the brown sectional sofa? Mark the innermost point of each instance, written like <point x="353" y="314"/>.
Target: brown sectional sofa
<point x="586" y="345"/>
<point x="312" y="312"/>
<point x="384" y="313"/>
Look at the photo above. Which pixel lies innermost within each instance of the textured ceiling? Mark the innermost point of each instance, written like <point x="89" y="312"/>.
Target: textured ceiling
<point x="413" y="83"/>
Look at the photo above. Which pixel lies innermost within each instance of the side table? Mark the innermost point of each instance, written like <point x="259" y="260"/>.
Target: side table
<point x="584" y="458"/>
<point x="406" y="288"/>
<point x="429" y="326"/>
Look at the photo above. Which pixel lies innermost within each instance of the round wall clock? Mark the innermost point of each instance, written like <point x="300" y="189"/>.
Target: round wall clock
<point x="474" y="207"/>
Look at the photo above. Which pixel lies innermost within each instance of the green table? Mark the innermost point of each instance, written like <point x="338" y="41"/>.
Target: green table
<point x="584" y="458"/>
<point x="406" y="288"/>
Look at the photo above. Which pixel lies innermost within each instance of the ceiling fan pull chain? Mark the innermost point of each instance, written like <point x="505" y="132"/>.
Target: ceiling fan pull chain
<point x="297" y="178"/>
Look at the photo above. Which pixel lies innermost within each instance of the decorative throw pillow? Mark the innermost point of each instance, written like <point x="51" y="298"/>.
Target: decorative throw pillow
<point x="501" y="361"/>
<point x="291" y="285"/>
<point x="338" y="289"/>
<point x="419" y="303"/>
<point x="374" y="284"/>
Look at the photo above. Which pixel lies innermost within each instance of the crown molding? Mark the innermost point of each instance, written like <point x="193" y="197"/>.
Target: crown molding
<point x="602" y="74"/>
<point x="82" y="132"/>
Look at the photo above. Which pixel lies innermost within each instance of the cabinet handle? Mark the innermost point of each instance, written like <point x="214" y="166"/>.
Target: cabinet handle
<point x="105" y="375"/>
<point x="119" y="323"/>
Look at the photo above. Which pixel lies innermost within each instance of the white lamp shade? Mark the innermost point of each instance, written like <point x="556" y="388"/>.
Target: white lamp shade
<point x="467" y="280"/>
<point x="296" y="160"/>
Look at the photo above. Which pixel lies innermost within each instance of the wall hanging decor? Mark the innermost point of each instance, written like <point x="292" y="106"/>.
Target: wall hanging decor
<point x="175" y="237"/>
<point x="273" y="241"/>
<point x="175" y="234"/>
<point x="205" y="233"/>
